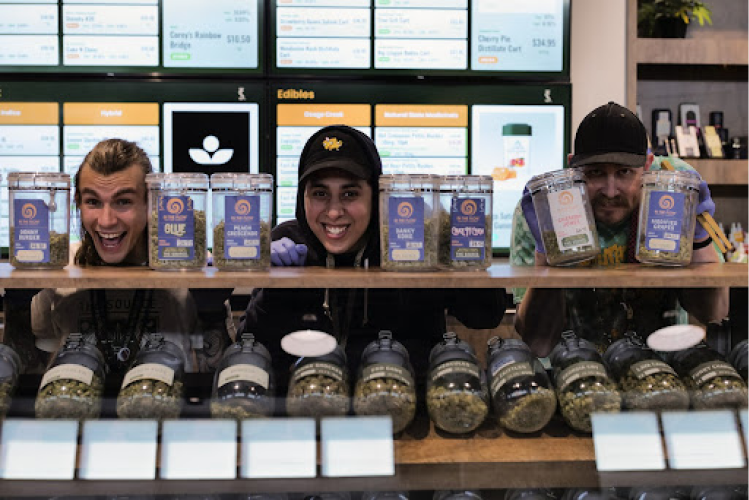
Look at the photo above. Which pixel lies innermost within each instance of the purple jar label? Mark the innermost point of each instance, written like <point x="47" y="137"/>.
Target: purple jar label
<point x="242" y="227"/>
<point x="467" y="229"/>
<point x="406" y="229"/>
<point x="31" y="231"/>
<point x="176" y="222"/>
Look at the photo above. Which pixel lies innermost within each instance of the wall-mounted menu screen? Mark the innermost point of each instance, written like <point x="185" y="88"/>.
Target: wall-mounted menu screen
<point x="528" y="39"/>
<point x="510" y="132"/>
<point x="131" y="36"/>
<point x="183" y="126"/>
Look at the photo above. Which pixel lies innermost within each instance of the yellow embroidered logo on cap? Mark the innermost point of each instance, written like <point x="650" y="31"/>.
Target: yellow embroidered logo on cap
<point x="331" y="143"/>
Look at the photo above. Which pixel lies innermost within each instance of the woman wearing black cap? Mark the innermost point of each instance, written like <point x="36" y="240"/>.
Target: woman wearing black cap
<point x="337" y="224"/>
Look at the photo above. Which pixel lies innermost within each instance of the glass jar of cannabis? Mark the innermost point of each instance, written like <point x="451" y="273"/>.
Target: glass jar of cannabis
<point x="177" y="224"/>
<point x="465" y="229"/>
<point x="244" y="384"/>
<point x="457" y="398"/>
<point x="10" y="368"/>
<point x="409" y="216"/>
<point x="457" y="495"/>
<point x="385" y="385"/>
<point x="39" y="208"/>
<point x="521" y="393"/>
<point x="668" y="211"/>
<point x="242" y="215"/>
<point x="738" y="358"/>
<point x="72" y="387"/>
<point x="713" y="383"/>
<point x="583" y="385"/>
<point x="530" y="494"/>
<point x="152" y="387"/>
<point x="565" y="217"/>
<point x="646" y="381"/>
<point x="319" y="386"/>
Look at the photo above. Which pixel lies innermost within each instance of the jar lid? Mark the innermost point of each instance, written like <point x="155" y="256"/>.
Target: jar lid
<point x="451" y="348"/>
<point x="686" y="179"/>
<point x="738" y="356"/>
<point x="159" y="350"/>
<point x="38" y="180"/>
<point x="337" y="357"/>
<point x="516" y="129"/>
<point x="469" y="183"/>
<point x="408" y="182"/>
<point x="571" y="345"/>
<point x="13" y="364"/>
<point x="558" y="179"/>
<point x="247" y="345"/>
<point x="234" y="181"/>
<point x="631" y="342"/>
<point x="179" y="180"/>
<point x="496" y="343"/>
<point x="75" y="344"/>
<point x="675" y="337"/>
<point x="386" y="350"/>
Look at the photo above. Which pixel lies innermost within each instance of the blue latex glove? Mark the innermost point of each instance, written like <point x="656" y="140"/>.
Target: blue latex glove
<point x="526" y="203"/>
<point x="705" y="204"/>
<point x="285" y="252"/>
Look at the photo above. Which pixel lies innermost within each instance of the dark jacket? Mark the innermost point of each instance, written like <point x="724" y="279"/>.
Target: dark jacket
<point x="415" y="316"/>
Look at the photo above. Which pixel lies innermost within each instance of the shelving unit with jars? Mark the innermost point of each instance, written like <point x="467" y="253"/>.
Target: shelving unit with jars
<point x="425" y="459"/>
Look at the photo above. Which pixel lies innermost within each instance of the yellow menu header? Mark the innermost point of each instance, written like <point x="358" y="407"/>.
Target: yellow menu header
<point x="29" y="113"/>
<point x="320" y="115"/>
<point x="110" y="113"/>
<point x="407" y="115"/>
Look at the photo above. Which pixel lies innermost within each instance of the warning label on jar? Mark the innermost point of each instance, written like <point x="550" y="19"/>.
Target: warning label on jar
<point x="663" y="226"/>
<point x="509" y="372"/>
<point x="68" y="372"/>
<point x="643" y="369"/>
<point x="30" y="231"/>
<point x="318" y="368"/>
<point x="150" y="371"/>
<point x="386" y="370"/>
<point x="583" y="369"/>
<point x="569" y="219"/>
<point x="244" y="373"/>
<point x="406" y="229"/>
<point x="707" y="371"/>
<point x="242" y="227"/>
<point x="176" y="226"/>
<point x="467" y="229"/>
<point x="455" y="368"/>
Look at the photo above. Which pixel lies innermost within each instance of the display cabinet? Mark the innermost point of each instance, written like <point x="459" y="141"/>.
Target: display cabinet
<point x="426" y="459"/>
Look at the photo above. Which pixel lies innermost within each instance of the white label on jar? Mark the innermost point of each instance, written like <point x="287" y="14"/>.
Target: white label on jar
<point x="665" y="215"/>
<point x="708" y="371"/>
<point x="583" y="369"/>
<point x="152" y="371"/>
<point x="508" y="372"/>
<point x="455" y="367"/>
<point x="517" y="151"/>
<point x="68" y="371"/>
<point x="569" y="219"/>
<point x="643" y="369"/>
<point x="247" y="373"/>
<point x="318" y="368"/>
<point x="386" y="370"/>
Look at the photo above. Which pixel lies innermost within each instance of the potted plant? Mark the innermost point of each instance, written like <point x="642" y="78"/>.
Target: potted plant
<point x="669" y="18"/>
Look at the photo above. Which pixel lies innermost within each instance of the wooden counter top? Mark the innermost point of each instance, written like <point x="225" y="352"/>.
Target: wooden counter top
<point x="501" y="274"/>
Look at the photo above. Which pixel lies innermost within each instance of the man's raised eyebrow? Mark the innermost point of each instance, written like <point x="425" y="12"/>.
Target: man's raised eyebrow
<point x="119" y="192"/>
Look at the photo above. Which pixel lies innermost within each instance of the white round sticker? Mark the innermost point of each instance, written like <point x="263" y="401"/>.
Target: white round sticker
<point x="676" y="337"/>
<point x="308" y="343"/>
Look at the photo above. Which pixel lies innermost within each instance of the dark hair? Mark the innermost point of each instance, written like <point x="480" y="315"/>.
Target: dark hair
<point x="106" y="158"/>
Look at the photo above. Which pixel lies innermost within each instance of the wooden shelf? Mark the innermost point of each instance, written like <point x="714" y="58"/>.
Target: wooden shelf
<point x="500" y="275"/>
<point x="722" y="172"/>
<point x="718" y="50"/>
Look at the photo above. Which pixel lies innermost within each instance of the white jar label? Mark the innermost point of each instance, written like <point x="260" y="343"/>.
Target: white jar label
<point x="455" y="368"/>
<point x="570" y="221"/>
<point x="68" y="371"/>
<point x="580" y="370"/>
<point x="509" y="372"/>
<point x="387" y="370"/>
<point x="153" y="371"/>
<point x="712" y="369"/>
<point x="246" y="373"/>
<point x="318" y="368"/>
<point x="643" y="369"/>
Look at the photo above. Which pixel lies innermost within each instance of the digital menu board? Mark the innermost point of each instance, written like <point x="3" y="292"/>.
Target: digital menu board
<point x="131" y="36"/>
<point x="510" y="132"/>
<point x="195" y="126"/>
<point x="528" y="39"/>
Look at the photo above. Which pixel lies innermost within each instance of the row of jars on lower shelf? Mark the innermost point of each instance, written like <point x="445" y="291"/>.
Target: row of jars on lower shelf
<point x="458" y="396"/>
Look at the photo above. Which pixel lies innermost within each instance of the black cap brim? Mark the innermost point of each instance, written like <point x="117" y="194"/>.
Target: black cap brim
<point x="345" y="165"/>
<point x="624" y="159"/>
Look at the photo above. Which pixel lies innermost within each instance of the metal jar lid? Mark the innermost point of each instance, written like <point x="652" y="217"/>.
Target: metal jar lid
<point x="181" y="181"/>
<point x="38" y="181"/>
<point x="242" y="182"/>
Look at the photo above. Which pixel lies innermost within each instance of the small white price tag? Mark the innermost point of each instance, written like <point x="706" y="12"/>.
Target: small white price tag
<point x="119" y="449"/>
<point x="357" y="446"/>
<point x="38" y="449"/>
<point x="702" y="439"/>
<point x="279" y="448"/>
<point x="199" y="449"/>
<point x="627" y="441"/>
<point x="745" y="425"/>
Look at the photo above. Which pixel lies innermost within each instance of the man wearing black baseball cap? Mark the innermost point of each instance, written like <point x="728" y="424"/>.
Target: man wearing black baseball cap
<point x="611" y="150"/>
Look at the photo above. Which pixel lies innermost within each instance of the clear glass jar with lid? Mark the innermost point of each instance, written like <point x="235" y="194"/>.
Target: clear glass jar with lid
<point x="10" y="367"/>
<point x="713" y="383"/>
<point x="177" y="238"/>
<point x="152" y="387"/>
<point x="385" y="385"/>
<point x="565" y="217"/>
<point x="457" y="397"/>
<point x="582" y="382"/>
<point x="409" y="219"/>
<point x="73" y="385"/>
<point x="244" y="384"/>
<point x="521" y="393"/>
<point x="646" y="381"/>
<point x="319" y="386"/>
<point x="738" y="357"/>
<point x="39" y="209"/>
<point x="242" y="215"/>
<point x="465" y="230"/>
<point x="668" y="211"/>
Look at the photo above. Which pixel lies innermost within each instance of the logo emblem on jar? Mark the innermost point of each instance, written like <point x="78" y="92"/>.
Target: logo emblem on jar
<point x="405" y="209"/>
<point x="28" y="211"/>
<point x="175" y="206"/>
<point x="242" y="207"/>
<point x="666" y="202"/>
<point x="565" y="198"/>
<point x="468" y="207"/>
